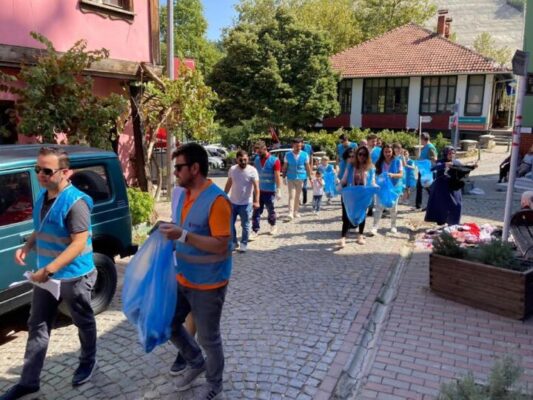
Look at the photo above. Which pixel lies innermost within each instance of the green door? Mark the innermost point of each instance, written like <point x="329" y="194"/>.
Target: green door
<point x="16" y="205"/>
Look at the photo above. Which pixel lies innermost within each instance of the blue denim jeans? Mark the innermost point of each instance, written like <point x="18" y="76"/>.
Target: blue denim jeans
<point x="317" y="202"/>
<point x="206" y="306"/>
<point x="245" y="213"/>
<point x="266" y="199"/>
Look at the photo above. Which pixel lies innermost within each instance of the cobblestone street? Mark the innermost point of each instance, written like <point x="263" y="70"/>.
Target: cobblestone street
<point x="288" y="323"/>
<point x="294" y="313"/>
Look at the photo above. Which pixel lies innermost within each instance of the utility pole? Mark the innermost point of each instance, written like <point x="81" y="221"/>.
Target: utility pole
<point x="520" y="68"/>
<point x="171" y="140"/>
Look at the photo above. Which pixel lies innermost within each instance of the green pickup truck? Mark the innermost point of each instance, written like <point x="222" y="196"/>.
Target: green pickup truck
<point x="96" y="172"/>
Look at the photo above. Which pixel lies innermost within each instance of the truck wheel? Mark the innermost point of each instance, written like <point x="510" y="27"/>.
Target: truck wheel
<point x="105" y="286"/>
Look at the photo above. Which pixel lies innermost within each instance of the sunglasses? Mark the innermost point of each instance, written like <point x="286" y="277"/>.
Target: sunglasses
<point x="46" y="171"/>
<point x="178" y="167"/>
<point x="362" y="155"/>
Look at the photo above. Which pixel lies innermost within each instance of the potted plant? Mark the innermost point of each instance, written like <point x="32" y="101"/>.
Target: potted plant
<point x="490" y="276"/>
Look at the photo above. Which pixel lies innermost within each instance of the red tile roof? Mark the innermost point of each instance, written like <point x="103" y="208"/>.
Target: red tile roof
<point x="410" y="50"/>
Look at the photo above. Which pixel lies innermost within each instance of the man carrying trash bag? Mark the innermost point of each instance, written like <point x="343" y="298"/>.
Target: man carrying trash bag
<point x="203" y="252"/>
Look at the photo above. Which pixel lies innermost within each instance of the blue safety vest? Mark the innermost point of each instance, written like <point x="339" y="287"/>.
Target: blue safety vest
<point x="53" y="237"/>
<point x="325" y="170"/>
<point x="369" y="176"/>
<point x="198" y="266"/>
<point x="296" y="168"/>
<point x="374" y="154"/>
<point x="395" y="167"/>
<point x="340" y="151"/>
<point x="267" y="181"/>
<point x="424" y="154"/>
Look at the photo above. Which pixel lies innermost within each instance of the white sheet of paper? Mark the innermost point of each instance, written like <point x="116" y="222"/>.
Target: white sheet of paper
<point x="51" y="285"/>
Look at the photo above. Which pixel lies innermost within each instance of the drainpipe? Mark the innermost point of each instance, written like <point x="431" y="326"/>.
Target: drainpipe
<point x="171" y="140"/>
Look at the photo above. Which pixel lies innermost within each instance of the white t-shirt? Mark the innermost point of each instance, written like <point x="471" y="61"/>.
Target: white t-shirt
<point x="318" y="187"/>
<point x="242" y="187"/>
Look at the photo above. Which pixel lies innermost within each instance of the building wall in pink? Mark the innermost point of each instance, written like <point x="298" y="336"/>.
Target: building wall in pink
<point x="63" y="22"/>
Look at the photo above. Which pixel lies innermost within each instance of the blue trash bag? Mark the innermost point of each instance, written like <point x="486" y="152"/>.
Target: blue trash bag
<point x="330" y="188"/>
<point x="149" y="293"/>
<point x="356" y="200"/>
<point x="387" y="193"/>
<point x="426" y="175"/>
<point x="410" y="175"/>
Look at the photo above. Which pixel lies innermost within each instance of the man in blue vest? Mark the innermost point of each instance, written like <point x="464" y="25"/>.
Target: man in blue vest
<point x="344" y="145"/>
<point x="428" y="152"/>
<point x="62" y="242"/>
<point x="202" y="236"/>
<point x="269" y="168"/>
<point x="297" y="170"/>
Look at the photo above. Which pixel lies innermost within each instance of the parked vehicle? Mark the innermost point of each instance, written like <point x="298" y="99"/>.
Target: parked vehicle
<point x="96" y="172"/>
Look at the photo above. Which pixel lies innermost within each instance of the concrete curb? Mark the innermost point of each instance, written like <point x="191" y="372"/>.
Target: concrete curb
<point x="362" y="357"/>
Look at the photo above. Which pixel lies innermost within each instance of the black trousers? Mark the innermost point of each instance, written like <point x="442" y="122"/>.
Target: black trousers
<point x="418" y="199"/>
<point x="347" y="225"/>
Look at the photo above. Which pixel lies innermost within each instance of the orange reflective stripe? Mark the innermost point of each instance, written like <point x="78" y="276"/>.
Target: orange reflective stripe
<point x="208" y="286"/>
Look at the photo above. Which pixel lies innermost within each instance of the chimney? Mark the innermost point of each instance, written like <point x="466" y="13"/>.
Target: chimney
<point x="441" y="22"/>
<point x="448" y="27"/>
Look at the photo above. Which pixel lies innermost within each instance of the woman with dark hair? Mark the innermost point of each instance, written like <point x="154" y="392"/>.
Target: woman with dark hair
<point x="359" y="172"/>
<point x="391" y="166"/>
<point x="445" y="197"/>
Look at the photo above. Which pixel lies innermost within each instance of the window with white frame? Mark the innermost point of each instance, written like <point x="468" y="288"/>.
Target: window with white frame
<point x="438" y="94"/>
<point x="474" y="95"/>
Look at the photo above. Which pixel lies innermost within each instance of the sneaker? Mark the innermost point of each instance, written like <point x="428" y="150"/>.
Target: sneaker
<point x="179" y="365"/>
<point x="342" y="243"/>
<point x="373" y="232"/>
<point x="328" y="201"/>
<point x="393" y="230"/>
<point x="360" y="239"/>
<point x="19" y="391"/>
<point x="253" y="235"/>
<point x="186" y="379"/>
<point x="243" y="248"/>
<point x="83" y="373"/>
<point x="207" y="392"/>
<point x="297" y="215"/>
<point x="289" y="218"/>
<point x="273" y="230"/>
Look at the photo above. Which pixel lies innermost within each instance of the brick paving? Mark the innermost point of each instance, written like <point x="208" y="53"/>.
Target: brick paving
<point x="429" y="340"/>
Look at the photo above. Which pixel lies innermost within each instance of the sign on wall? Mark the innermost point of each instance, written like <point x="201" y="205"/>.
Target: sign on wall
<point x="470" y="123"/>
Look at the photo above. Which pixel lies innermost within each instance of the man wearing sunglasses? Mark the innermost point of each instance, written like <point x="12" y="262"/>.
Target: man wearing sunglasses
<point x="202" y="236"/>
<point x="62" y="241"/>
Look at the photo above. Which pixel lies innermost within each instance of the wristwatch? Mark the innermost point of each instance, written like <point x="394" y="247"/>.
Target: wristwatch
<point x="183" y="236"/>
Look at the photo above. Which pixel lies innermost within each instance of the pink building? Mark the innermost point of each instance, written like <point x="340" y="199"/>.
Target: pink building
<point x="129" y="29"/>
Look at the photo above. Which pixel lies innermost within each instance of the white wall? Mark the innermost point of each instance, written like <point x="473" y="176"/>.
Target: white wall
<point x="487" y="97"/>
<point x="413" y="105"/>
<point x="462" y="82"/>
<point x="356" y="119"/>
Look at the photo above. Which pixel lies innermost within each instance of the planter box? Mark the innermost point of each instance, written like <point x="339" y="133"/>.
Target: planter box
<point x="497" y="290"/>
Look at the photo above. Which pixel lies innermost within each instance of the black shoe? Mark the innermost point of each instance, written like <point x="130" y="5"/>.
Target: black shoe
<point x="178" y="366"/>
<point x="83" y="373"/>
<point x="19" y="392"/>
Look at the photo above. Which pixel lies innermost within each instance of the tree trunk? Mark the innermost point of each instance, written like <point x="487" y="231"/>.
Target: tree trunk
<point x="142" y="168"/>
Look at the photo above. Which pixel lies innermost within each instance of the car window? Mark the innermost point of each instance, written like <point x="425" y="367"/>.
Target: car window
<point x="16" y="203"/>
<point x="92" y="180"/>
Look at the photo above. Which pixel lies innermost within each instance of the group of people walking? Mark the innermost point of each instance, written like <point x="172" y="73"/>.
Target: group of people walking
<point x="204" y="233"/>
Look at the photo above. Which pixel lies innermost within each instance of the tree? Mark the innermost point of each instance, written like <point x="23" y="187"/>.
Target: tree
<point x="54" y="96"/>
<point x="345" y="23"/>
<point x="276" y="71"/>
<point x="376" y="17"/>
<point x="183" y="106"/>
<point x="484" y="44"/>
<point x="190" y="28"/>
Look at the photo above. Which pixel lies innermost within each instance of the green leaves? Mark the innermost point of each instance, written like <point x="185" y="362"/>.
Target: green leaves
<point x="141" y="206"/>
<point x="485" y="45"/>
<point x="57" y="97"/>
<point x="276" y="71"/>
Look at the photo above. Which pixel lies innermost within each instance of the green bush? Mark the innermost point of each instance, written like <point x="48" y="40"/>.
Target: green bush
<point x="501" y="384"/>
<point x="446" y="245"/>
<point x="497" y="253"/>
<point x="440" y="142"/>
<point x="141" y="206"/>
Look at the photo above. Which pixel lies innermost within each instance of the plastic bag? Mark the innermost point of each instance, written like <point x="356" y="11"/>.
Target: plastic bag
<point x="149" y="293"/>
<point x="426" y="175"/>
<point x="330" y="187"/>
<point x="356" y="200"/>
<point x="387" y="193"/>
